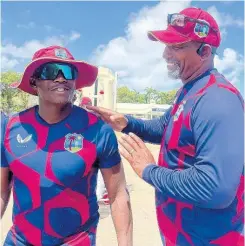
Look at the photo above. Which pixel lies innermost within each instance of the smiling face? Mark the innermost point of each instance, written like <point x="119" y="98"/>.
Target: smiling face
<point x="57" y="91"/>
<point x="182" y="59"/>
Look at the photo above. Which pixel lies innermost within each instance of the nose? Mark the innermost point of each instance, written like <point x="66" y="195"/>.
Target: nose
<point x="167" y="54"/>
<point x="60" y="78"/>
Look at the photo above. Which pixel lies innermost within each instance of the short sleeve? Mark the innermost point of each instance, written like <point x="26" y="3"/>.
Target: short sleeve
<point x="4" y="162"/>
<point x="107" y="147"/>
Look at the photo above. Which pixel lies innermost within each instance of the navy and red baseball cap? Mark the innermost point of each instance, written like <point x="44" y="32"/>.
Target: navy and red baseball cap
<point x="87" y="73"/>
<point x="191" y="24"/>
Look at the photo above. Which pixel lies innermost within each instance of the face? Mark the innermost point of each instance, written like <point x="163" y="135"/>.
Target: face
<point x="182" y="59"/>
<point x="57" y="91"/>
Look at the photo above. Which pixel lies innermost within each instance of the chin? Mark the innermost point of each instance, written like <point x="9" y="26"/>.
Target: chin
<point x="173" y="75"/>
<point x="61" y="101"/>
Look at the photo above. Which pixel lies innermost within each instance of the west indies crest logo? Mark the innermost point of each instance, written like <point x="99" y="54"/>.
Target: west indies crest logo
<point x="73" y="142"/>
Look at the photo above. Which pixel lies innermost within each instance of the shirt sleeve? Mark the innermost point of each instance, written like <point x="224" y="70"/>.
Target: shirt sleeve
<point x="218" y="129"/>
<point x="108" y="153"/>
<point x="4" y="162"/>
<point x="149" y="130"/>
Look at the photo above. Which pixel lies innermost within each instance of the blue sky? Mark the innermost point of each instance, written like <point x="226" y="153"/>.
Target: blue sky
<point x="106" y="32"/>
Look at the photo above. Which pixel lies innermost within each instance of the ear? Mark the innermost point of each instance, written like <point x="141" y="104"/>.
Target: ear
<point x="206" y="52"/>
<point x="33" y="83"/>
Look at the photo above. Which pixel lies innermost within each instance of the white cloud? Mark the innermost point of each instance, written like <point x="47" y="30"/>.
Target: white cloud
<point x="7" y="63"/>
<point x="29" y="25"/>
<point x="74" y="36"/>
<point x="230" y="64"/>
<point x="27" y="50"/>
<point x="224" y="19"/>
<point x="138" y="60"/>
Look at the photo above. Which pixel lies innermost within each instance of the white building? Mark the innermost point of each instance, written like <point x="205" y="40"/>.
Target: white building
<point x="143" y="111"/>
<point x="103" y="91"/>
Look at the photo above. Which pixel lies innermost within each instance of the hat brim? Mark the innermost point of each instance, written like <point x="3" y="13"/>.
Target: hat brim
<point x="87" y="73"/>
<point x="168" y="37"/>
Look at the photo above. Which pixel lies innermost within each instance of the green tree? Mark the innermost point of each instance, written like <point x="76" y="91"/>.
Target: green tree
<point x="139" y="97"/>
<point x="171" y="96"/>
<point x="125" y="95"/>
<point x="12" y="100"/>
<point x="166" y="97"/>
<point x="150" y="94"/>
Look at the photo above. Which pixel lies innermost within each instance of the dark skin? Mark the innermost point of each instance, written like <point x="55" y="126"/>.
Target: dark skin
<point x="55" y="105"/>
<point x="191" y="64"/>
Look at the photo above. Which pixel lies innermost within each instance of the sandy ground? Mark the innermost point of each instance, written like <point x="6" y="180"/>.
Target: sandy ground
<point x="142" y="201"/>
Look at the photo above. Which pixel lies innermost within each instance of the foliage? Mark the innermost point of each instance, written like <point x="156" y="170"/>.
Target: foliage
<point x="12" y="100"/>
<point x="150" y="95"/>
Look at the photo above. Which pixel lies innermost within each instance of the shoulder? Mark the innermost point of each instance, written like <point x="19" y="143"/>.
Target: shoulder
<point x="85" y="115"/>
<point x="221" y="94"/>
<point x="22" y="113"/>
<point x="93" y="122"/>
<point x="20" y="117"/>
<point x="222" y="100"/>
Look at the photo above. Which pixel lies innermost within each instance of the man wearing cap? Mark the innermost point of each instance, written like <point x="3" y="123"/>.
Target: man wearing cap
<point x="198" y="179"/>
<point x="54" y="151"/>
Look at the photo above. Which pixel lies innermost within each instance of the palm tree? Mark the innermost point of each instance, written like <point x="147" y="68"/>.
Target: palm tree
<point x="72" y="138"/>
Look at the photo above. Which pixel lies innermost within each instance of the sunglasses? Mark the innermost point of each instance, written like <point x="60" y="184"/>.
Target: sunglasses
<point x="180" y="20"/>
<point x="50" y="71"/>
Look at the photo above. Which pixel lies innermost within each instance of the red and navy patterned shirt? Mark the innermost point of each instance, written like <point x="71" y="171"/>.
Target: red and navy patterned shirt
<point x="55" y="175"/>
<point x="199" y="179"/>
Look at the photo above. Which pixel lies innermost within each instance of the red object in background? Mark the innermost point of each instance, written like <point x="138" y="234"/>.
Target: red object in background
<point x="85" y="101"/>
<point x="102" y="92"/>
<point x="14" y="84"/>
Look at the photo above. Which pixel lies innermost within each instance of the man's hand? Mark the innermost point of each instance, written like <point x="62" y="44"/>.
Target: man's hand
<point x="136" y="153"/>
<point x="116" y="120"/>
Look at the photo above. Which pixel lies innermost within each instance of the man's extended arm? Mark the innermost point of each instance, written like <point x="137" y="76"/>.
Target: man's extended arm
<point x="148" y="130"/>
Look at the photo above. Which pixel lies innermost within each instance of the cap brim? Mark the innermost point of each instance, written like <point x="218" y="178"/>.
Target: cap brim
<point x="167" y="37"/>
<point x="87" y="73"/>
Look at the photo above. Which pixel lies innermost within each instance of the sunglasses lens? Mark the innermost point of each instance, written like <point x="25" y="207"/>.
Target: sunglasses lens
<point x="51" y="70"/>
<point x="177" y="20"/>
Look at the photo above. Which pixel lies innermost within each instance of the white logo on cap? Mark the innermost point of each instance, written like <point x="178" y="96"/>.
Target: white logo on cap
<point x="61" y="53"/>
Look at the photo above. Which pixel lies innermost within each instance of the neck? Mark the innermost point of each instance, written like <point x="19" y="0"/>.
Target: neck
<point x="197" y="72"/>
<point x="53" y="113"/>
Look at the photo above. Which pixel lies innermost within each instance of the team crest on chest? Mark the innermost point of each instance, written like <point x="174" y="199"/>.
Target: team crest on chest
<point x="73" y="142"/>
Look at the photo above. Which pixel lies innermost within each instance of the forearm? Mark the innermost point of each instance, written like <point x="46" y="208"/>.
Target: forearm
<point x="148" y="130"/>
<point x="122" y="218"/>
<point x="198" y="187"/>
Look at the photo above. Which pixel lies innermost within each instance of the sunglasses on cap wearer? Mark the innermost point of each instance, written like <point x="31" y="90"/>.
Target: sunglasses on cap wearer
<point x="181" y="20"/>
<point x="50" y="71"/>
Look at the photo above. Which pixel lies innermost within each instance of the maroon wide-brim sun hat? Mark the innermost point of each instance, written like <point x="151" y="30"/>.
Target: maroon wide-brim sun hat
<point x="87" y="73"/>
